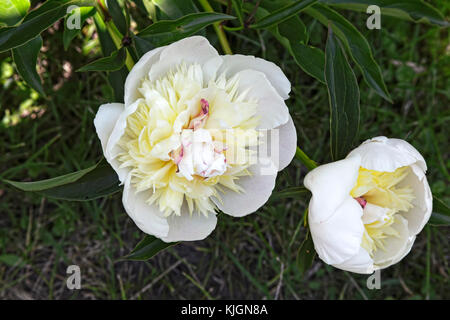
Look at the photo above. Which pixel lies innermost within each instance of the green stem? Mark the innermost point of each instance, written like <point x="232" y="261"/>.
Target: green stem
<point x="300" y="155"/>
<point x="218" y="28"/>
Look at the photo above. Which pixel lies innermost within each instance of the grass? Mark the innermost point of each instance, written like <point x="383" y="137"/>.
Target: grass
<point x="247" y="258"/>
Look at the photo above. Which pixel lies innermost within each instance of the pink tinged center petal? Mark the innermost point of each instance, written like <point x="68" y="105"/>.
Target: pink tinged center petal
<point x="362" y="202"/>
<point x="199" y="121"/>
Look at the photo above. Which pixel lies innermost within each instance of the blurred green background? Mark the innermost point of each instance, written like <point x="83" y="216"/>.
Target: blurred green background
<point x="247" y="258"/>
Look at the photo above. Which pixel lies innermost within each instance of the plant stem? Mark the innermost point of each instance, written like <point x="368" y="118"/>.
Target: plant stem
<point x="218" y="28"/>
<point x="300" y="155"/>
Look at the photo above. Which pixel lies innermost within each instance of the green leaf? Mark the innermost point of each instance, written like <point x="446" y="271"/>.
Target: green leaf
<point x="294" y="30"/>
<point x="13" y="11"/>
<point x="356" y="44"/>
<point x="112" y="63"/>
<point x="37" y="21"/>
<point x="175" y="9"/>
<point x="282" y="14"/>
<point x="167" y="31"/>
<point x="117" y="15"/>
<point x="293" y="192"/>
<point x="69" y="34"/>
<point x="87" y="184"/>
<point x="25" y="58"/>
<point x="147" y="248"/>
<point x="343" y="95"/>
<point x="116" y="78"/>
<point x="415" y="10"/>
<point x="306" y="254"/>
<point x="237" y="6"/>
<point x="441" y="213"/>
<point x="310" y="59"/>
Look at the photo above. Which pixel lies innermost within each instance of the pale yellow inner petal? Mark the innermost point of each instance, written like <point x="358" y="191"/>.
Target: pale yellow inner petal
<point x="382" y="189"/>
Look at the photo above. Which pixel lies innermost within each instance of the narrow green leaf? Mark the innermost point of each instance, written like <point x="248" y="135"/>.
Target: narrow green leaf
<point x="237" y="6"/>
<point x="306" y="254"/>
<point x="69" y="32"/>
<point x="117" y="15"/>
<point x="294" y="30"/>
<point x="96" y="181"/>
<point x="343" y="95"/>
<point x="112" y="63"/>
<point x="116" y="78"/>
<point x="293" y="192"/>
<point x="415" y="10"/>
<point x="147" y="248"/>
<point x="175" y="9"/>
<point x="37" y="21"/>
<point x="12" y="11"/>
<point x="25" y="58"/>
<point x="441" y="213"/>
<point x="310" y="59"/>
<point x="356" y="44"/>
<point x="282" y="14"/>
<point x="167" y="31"/>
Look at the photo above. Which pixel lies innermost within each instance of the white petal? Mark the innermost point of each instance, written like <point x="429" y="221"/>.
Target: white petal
<point x="234" y="63"/>
<point x="383" y="154"/>
<point x="105" y="120"/>
<point x="112" y="149"/>
<point x="359" y="263"/>
<point x="147" y="217"/>
<point x="338" y="238"/>
<point x="288" y="143"/>
<point x="394" y="247"/>
<point x="399" y="257"/>
<point x="419" y="215"/>
<point x="271" y="110"/>
<point x="257" y="190"/>
<point x="330" y="185"/>
<point x="138" y="73"/>
<point x="194" y="49"/>
<point x="190" y="228"/>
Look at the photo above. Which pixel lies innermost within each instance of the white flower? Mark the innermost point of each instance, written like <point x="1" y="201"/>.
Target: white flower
<point x="184" y="142"/>
<point x="367" y="209"/>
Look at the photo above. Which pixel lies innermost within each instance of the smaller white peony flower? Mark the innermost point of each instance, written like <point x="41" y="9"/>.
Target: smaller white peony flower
<point x="183" y="144"/>
<point x="367" y="209"/>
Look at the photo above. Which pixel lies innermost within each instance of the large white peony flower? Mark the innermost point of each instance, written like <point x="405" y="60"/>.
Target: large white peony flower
<point x="188" y="139"/>
<point x="367" y="209"/>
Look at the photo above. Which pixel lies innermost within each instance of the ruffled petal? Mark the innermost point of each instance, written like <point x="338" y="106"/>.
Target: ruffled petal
<point x="190" y="228"/>
<point x="147" y="217"/>
<point x="359" y="263"/>
<point x="257" y="189"/>
<point x="232" y="64"/>
<point x="112" y="149"/>
<point x="105" y="120"/>
<point x="138" y="73"/>
<point x="196" y="49"/>
<point x="330" y="185"/>
<point x="338" y="238"/>
<point x="422" y="203"/>
<point x="384" y="154"/>
<point x="394" y="246"/>
<point x="271" y="110"/>
<point x="287" y="143"/>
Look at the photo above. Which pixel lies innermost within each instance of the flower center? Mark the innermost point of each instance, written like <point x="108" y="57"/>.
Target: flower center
<point x="382" y="197"/>
<point x="174" y="142"/>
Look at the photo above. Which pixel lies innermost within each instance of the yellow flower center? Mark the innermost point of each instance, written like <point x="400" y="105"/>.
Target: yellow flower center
<point x="381" y="192"/>
<point x="188" y="139"/>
